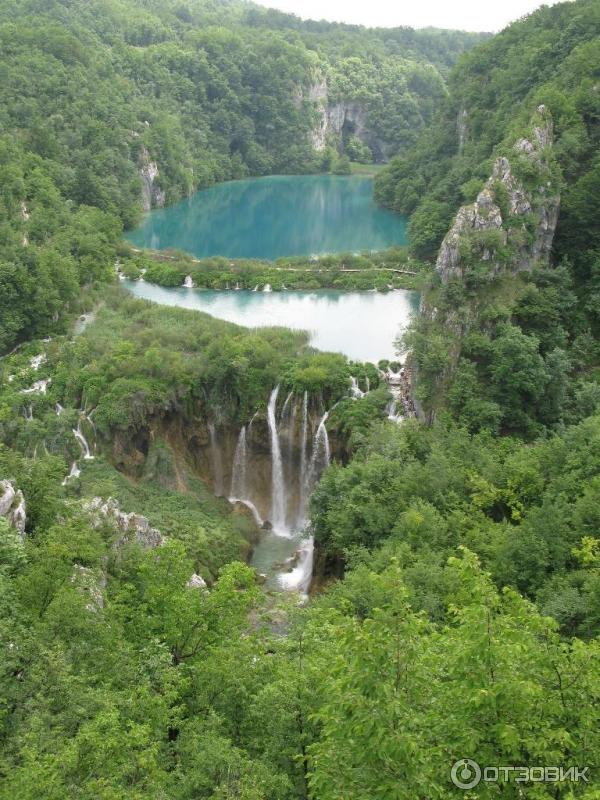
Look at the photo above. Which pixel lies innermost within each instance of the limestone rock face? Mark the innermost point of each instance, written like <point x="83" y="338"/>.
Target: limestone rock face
<point x="462" y="128"/>
<point x="481" y="215"/>
<point x="91" y="584"/>
<point x="196" y="582"/>
<point x="12" y="506"/>
<point x="152" y="195"/>
<point x="334" y="119"/>
<point x="524" y="216"/>
<point x="133" y="526"/>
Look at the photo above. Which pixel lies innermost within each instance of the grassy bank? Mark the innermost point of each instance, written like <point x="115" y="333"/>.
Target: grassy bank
<point x="383" y="270"/>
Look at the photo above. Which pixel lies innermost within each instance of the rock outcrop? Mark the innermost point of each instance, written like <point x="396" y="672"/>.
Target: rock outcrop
<point x="462" y="128"/>
<point x="511" y="224"/>
<point x="134" y="527"/>
<point x="91" y="584"/>
<point x="336" y="119"/>
<point x="196" y="582"/>
<point x="152" y="195"/>
<point x="12" y="506"/>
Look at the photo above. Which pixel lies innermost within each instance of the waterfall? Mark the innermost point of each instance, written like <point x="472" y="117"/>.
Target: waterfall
<point x="59" y="409"/>
<point x="217" y="464"/>
<point x="291" y="431"/>
<point x="74" y="473"/>
<point x="37" y="361"/>
<point x="188" y="282"/>
<point x="298" y="579"/>
<point x="368" y="382"/>
<point x="77" y="432"/>
<point x="251" y="423"/>
<point x="321" y="454"/>
<point x="277" y="482"/>
<point x="238" y="474"/>
<point x="285" y="406"/>
<point x="267" y="288"/>
<point x="354" y="388"/>
<point x="249" y="504"/>
<point x="303" y="458"/>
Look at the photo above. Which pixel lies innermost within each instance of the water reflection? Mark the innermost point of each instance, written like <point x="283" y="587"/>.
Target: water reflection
<point x="273" y="217"/>
<point x="362" y="325"/>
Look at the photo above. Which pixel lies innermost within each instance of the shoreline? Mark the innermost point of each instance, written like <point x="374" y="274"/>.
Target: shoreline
<point x="381" y="270"/>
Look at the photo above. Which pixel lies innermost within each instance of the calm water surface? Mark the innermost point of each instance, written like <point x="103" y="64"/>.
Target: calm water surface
<point x="361" y="325"/>
<point x="275" y="216"/>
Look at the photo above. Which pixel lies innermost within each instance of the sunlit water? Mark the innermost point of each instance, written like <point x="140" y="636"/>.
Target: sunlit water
<point x="275" y="216"/>
<point x="361" y="325"/>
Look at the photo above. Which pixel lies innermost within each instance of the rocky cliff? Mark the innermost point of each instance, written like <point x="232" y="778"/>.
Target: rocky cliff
<point x="511" y="224"/>
<point x="12" y="506"/>
<point x="152" y="195"/>
<point x="337" y="120"/>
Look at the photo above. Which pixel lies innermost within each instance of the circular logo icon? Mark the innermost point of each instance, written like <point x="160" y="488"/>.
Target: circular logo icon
<point x="465" y="773"/>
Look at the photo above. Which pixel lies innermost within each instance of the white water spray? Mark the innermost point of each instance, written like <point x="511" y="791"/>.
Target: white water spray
<point x="85" y="449"/>
<point x="277" y="482"/>
<point x="298" y="579"/>
<point x="303" y="458"/>
<point x="321" y="454"/>
<point x="239" y="489"/>
<point x="355" y="389"/>
<point x="74" y="473"/>
<point x="286" y="405"/>
<point x="217" y="464"/>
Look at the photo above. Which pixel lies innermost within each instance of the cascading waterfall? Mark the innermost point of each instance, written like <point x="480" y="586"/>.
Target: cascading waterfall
<point x="74" y="473"/>
<point x="355" y="390"/>
<point x="251" y="423"/>
<point x="321" y="454"/>
<point x="85" y="449"/>
<point x="292" y="480"/>
<point x="299" y="577"/>
<point x="303" y="458"/>
<point x="217" y="464"/>
<point x="277" y="483"/>
<point x="286" y="406"/>
<point x="238" y="475"/>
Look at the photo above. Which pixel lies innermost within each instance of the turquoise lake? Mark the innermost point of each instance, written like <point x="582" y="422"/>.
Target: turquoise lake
<point x="361" y="325"/>
<point x="273" y="217"/>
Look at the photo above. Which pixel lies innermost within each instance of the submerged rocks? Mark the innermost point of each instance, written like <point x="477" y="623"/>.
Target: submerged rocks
<point x="12" y="506"/>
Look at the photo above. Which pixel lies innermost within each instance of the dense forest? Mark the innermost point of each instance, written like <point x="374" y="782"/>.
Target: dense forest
<point x="455" y="610"/>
